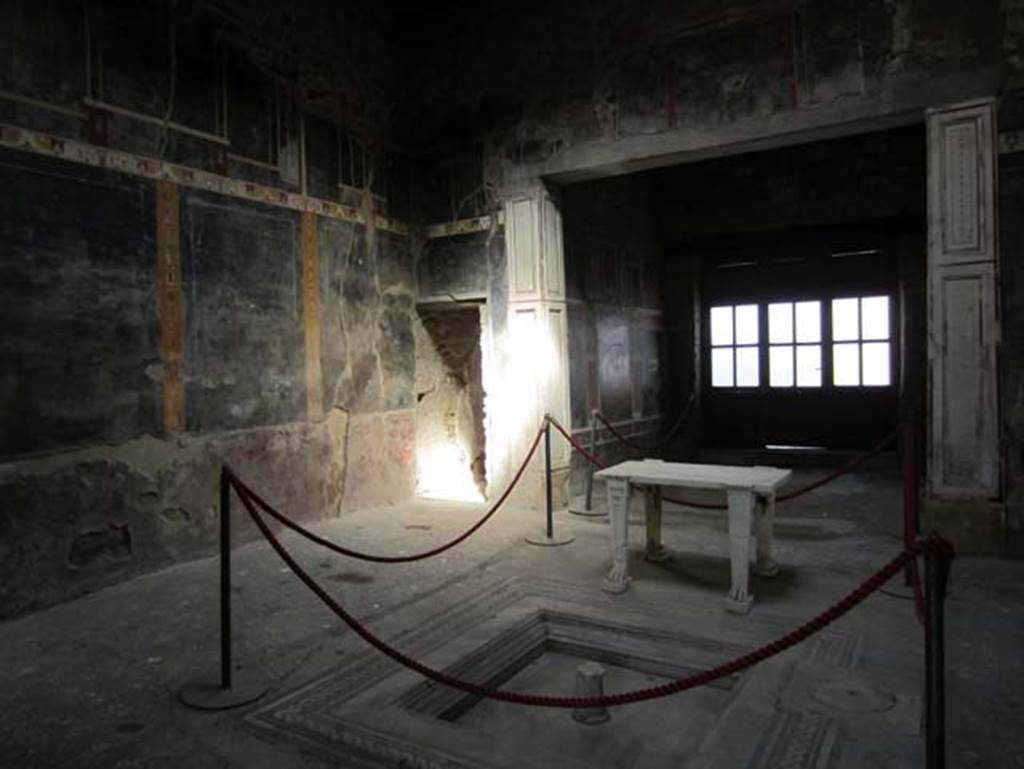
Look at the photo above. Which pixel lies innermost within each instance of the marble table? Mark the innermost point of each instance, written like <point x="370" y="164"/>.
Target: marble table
<point x="750" y="492"/>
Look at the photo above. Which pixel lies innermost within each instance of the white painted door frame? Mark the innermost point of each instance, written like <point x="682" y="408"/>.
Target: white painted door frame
<point x="963" y="317"/>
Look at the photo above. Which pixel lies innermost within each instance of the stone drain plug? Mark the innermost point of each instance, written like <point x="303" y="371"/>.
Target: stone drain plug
<point x="590" y="683"/>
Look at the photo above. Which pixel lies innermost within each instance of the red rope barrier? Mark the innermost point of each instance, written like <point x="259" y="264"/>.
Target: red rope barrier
<point x="622" y="438"/>
<point x="289" y="523"/>
<point x="665" y="442"/>
<point x="683" y="416"/>
<point x="576" y="444"/>
<point x="844" y="470"/>
<point x="597" y="462"/>
<point x="731" y="667"/>
<point x="915" y="576"/>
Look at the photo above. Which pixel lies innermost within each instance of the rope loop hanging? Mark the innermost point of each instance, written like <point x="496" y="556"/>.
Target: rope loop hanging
<point x="735" y="665"/>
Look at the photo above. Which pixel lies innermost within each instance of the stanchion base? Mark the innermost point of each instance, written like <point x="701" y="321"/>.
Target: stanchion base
<point x="897" y="589"/>
<point x="543" y="540"/>
<point x="578" y="507"/>
<point x="588" y="513"/>
<point x="203" y="695"/>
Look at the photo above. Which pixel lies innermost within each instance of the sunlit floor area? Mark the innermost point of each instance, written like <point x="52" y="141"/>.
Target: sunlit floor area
<point x="94" y="682"/>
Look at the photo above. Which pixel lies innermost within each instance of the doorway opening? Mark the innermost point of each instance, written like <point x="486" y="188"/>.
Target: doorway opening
<point x="450" y="433"/>
<point x="783" y="288"/>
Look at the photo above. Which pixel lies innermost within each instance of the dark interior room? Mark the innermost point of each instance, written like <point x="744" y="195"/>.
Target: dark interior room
<point x="567" y="384"/>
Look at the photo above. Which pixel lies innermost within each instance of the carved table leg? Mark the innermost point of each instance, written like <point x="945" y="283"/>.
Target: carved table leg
<point x="764" y="528"/>
<point x="652" y="514"/>
<point x="741" y="522"/>
<point x="618" y="519"/>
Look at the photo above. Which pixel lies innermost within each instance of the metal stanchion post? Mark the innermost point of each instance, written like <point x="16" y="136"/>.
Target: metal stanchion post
<point x="936" y="575"/>
<point x="905" y="456"/>
<point x="910" y="525"/>
<point x="588" y="501"/>
<point x="593" y="450"/>
<point x="549" y="537"/>
<point x="547" y="479"/>
<point x="231" y="693"/>
<point x="225" y="580"/>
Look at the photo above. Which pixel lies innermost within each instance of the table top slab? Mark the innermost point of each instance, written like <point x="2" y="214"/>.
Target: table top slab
<point x="656" y="472"/>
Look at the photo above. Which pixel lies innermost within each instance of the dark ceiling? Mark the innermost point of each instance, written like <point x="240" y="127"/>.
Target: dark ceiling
<point x="423" y="74"/>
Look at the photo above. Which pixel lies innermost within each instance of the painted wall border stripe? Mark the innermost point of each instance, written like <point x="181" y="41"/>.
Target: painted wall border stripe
<point x="311" y="314"/>
<point x="462" y="226"/>
<point x="170" y="305"/>
<point x="75" y="151"/>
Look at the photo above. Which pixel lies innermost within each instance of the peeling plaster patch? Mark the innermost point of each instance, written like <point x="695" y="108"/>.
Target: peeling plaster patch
<point x="175" y="516"/>
<point x="77" y="521"/>
<point x="736" y="83"/>
<point x="111" y="544"/>
<point x="156" y="372"/>
<point x="244" y="410"/>
<point x="146" y="454"/>
<point x="337" y="431"/>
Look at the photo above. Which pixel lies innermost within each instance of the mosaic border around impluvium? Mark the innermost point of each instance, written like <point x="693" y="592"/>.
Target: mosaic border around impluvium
<point x="304" y="714"/>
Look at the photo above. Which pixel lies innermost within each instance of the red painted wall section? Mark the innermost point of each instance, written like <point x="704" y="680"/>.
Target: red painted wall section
<point x="381" y="459"/>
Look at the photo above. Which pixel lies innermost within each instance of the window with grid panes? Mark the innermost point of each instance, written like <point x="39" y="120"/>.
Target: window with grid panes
<point x="861" y="342"/>
<point x="735" y="354"/>
<point x="794" y="344"/>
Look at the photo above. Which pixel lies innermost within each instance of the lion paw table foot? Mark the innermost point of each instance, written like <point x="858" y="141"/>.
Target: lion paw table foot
<point x="656" y="555"/>
<point x="738" y="600"/>
<point x="615" y="586"/>
<point x="739" y="605"/>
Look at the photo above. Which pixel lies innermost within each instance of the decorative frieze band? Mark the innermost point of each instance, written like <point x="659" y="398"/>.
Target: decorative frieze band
<point x="462" y="226"/>
<point x="74" y="151"/>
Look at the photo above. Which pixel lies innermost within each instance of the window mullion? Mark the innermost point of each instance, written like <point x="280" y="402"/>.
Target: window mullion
<point x="763" y="347"/>
<point x="827" y="345"/>
<point x="792" y="347"/>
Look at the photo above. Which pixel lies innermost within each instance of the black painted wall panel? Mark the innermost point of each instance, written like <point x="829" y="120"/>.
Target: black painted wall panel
<point x="42" y="50"/>
<point x="648" y="350"/>
<point x="245" y="343"/>
<point x="613" y="266"/>
<point x="582" y="357"/>
<point x="321" y="158"/>
<point x="456" y="265"/>
<point x="151" y="61"/>
<point x="497" y="284"/>
<point x="251" y="126"/>
<point x="79" y="331"/>
<point x="396" y="268"/>
<point x="1011" y="244"/>
<point x="367" y="351"/>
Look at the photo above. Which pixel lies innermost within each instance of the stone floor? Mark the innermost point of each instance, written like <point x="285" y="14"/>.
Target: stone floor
<point x="93" y="683"/>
